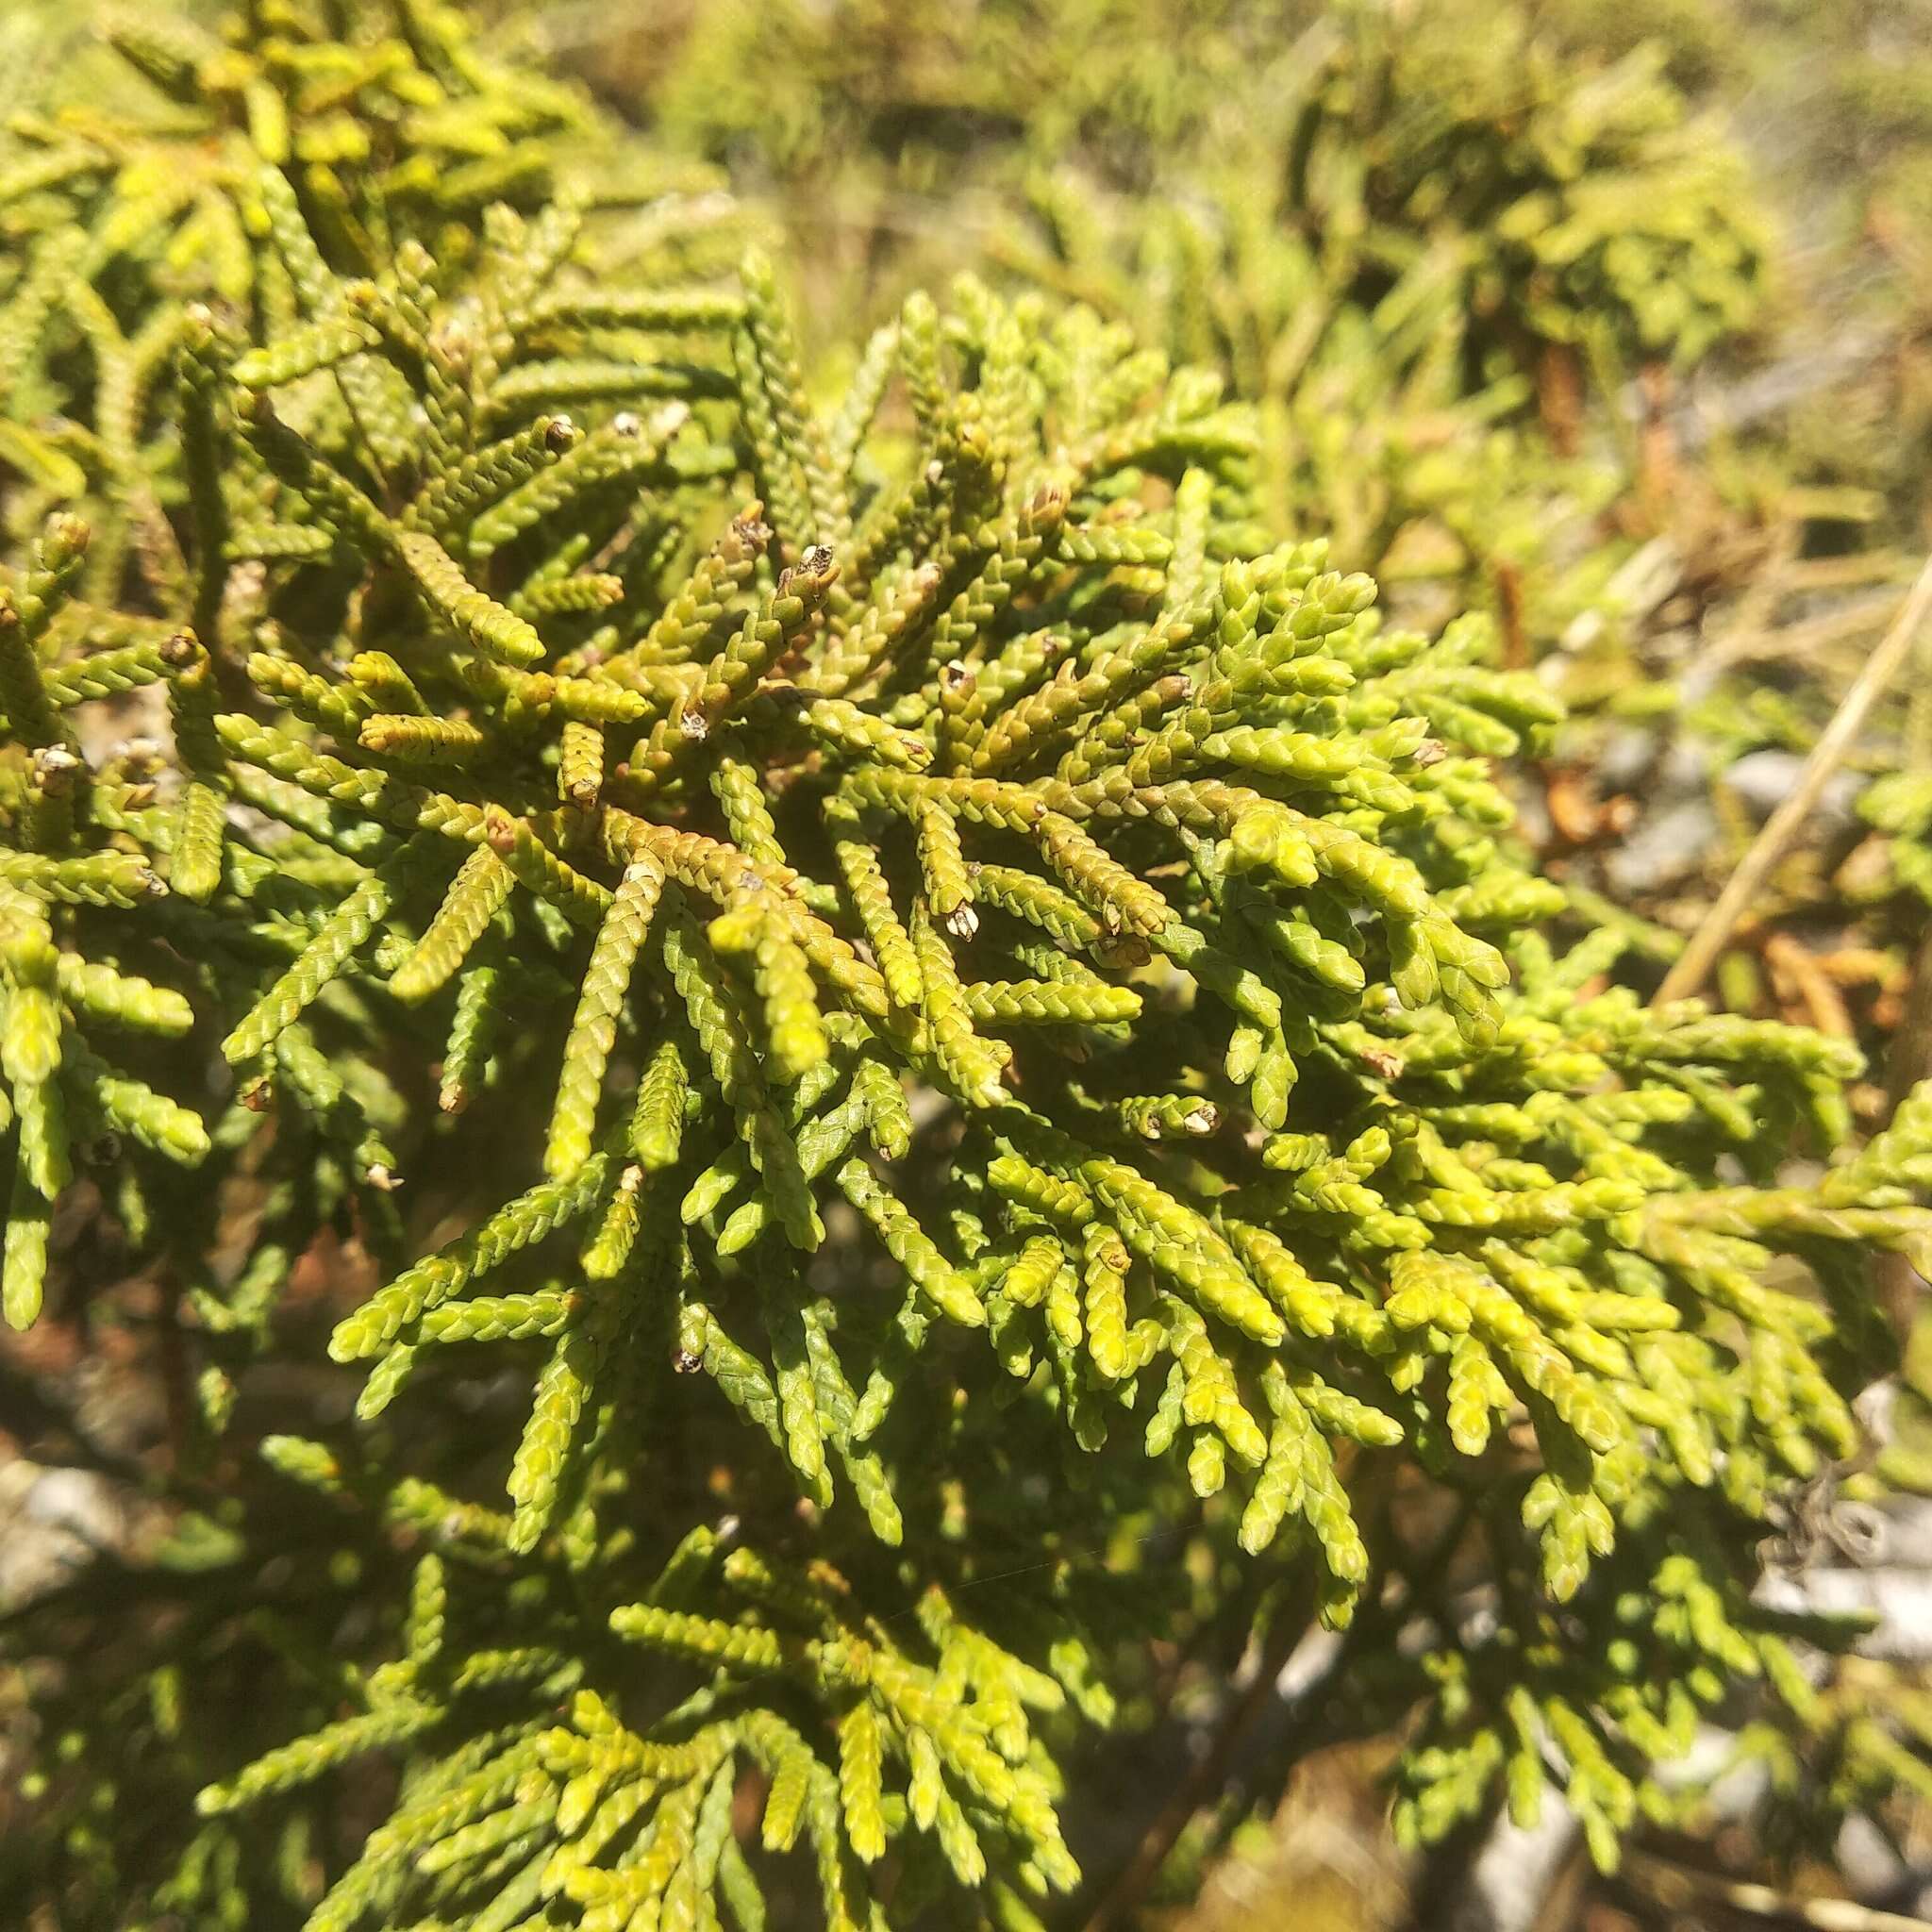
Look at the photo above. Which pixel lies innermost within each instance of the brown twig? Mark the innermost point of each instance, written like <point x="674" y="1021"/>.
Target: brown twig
<point x="1219" y="1773"/>
<point x="1688" y="975"/>
<point x="1206" y="1778"/>
<point x="1679" y="1886"/>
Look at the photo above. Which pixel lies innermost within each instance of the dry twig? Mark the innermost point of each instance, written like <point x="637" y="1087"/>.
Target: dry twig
<point x="1688" y="975"/>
